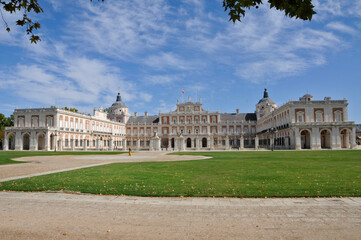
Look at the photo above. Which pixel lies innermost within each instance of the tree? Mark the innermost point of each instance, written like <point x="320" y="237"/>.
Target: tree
<point x="302" y="9"/>
<point x="5" y="122"/>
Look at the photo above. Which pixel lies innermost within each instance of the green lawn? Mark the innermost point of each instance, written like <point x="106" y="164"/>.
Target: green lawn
<point x="228" y="174"/>
<point x="6" y="156"/>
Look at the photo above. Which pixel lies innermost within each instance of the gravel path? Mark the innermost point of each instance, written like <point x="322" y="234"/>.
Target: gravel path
<point x="69" y="216"/>
<point x="41" y="165"/>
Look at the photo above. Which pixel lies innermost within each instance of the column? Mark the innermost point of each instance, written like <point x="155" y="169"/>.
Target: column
<point x="55" y="142"/>
<point x="192" y="143"/>
<point x="315" y="139"/>
<point x="33" y="141"/>
<point x="227" y="143"/>
<point x="334" y="139"/>
<point x="256" y="143"/>
<point x="198" y="143"/>
<point x="297" y="139"/>
<point x="18" y="142"/>
<point x="111" y="147"/>
<point x="97" y="144"/>
<point x="47" y="141"/>
<point x="6" y="142"/>
<point x="61" y="144"/>
<point x="169" y="144"/>
<point x="72" y="144"/>
<point x="125" y="144"/>
<point x="138" y="143"/>
<point x="353" y="138"/>
<point x="85" y="145"/>
<point x="241" y="144"/>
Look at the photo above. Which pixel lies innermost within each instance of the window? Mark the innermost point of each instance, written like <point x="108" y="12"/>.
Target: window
<point x="189" y="131"/>
<point x="61" y="123"/>
<point x="35" y="122"/>
<point x="300" y="117"/>
<point x="197" y="131"/>
<point x="181" y="130"/>
<point x="165" y="131"/>
<point x="189" y="120"/>
<point x="196" y="120"/>
<point x="174" y="121"/>
<point x="204" y="120"/>
<point x="338" y="116"/>
<point x="182" y="120"/>
<point x="213" y="119"/>
<point x="318" y="116"/>
<point x="148" y="132"/>
<point x="66" y="142"/>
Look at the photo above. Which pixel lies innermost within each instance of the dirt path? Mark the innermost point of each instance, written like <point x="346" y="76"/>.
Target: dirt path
<point x="68" y="216"/>
<point x="41" y="165"/>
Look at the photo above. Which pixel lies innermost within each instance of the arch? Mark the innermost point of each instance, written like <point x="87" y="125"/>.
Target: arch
<point x="204" y="142"/>
<point x="305" y="139"/>
<point x="52" y="139"/>
<point x="345" y="138"/>
<point x="189" y="142"/>
<point x="11" y="141"/>
<point x="41" y="141"/>
<point x="172" y="143"/>
<point x="165" y="143"/>
<point x="26" y="141"/>
<point x="325" y="138"/>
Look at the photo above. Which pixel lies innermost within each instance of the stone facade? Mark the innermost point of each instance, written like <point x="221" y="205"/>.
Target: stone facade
<point x="303" y="124"/>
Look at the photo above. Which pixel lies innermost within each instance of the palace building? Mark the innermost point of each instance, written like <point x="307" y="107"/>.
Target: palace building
<point x="302" y="124"/>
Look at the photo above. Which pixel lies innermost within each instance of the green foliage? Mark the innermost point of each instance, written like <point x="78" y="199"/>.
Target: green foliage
<point x="302" y="9"/>
<point x="71" y="109"/>
<point x="227" y="174"/>
<point x="5" y="122"/>
<point x="25" y="6"/>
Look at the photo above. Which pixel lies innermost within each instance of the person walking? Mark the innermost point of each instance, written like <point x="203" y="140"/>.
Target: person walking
<point x="130" y="152"/>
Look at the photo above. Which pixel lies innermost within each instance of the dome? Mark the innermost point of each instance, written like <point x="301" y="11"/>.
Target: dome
<point x="266" y="99"/>
<point x="118" y="103"/>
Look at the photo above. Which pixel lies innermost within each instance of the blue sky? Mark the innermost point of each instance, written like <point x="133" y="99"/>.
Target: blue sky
<point x="152" y="49"/>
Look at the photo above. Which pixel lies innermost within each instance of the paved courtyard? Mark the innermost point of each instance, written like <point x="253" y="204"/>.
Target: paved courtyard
<point x="71" y="216"/>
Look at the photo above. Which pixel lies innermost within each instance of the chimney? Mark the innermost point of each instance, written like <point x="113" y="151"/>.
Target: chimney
<point x="189" y="98"/>
<point x="237" y="111"/>
<point x="135" y="114"/>
<point x="146" y="114"/>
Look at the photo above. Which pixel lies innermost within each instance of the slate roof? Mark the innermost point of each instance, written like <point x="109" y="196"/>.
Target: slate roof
<point x="238" y="117"/>
<point x="143" y="119"/>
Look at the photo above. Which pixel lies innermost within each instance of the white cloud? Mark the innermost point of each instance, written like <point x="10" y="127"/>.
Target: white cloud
<point x="161" y="79"/>
<point x="166" y="61"/>
<point x="341" y="27"/>
<point x="120" y="29"/>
